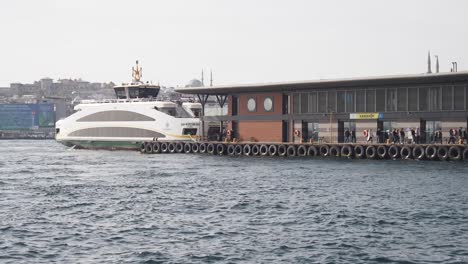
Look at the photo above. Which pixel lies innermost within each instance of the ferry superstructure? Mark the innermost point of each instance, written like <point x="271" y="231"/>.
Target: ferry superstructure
<point x="133" y="117"/>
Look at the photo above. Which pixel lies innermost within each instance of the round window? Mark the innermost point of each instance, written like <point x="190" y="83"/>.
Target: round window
<point x="268" y="104"/>
<point x="251" y="104"/>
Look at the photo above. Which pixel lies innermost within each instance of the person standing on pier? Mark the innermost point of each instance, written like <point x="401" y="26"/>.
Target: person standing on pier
<point x="438" y="137"/>
<point x="452" y="134"/>
<point x="353" y="135"/>
<point x="402" y="136"/>
<point x="412" y="136"/>
<point x="465" y="135"/>
<point x="370" y="136"/>
<point x="395" y="136"/>
<point x="418" y="135"/>
<point x="460" y="135"/>
<point x="346" y="135"/>
<point x="377" y="134"/>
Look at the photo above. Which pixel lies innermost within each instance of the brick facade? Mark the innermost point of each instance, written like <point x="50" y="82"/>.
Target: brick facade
<point x="258" y="130"/>
<point x="266" y="131"/>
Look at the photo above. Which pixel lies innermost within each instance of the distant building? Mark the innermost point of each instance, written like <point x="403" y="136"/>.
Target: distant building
<point x="64" y="88"/>
<point x="27" y="120"/>
<point x="5" y="94"/>
<point x="46" y="84"/>
<point x="23" y="89"/>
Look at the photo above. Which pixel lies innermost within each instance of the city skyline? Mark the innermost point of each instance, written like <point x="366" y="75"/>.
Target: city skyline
<point x="242" y="42"/>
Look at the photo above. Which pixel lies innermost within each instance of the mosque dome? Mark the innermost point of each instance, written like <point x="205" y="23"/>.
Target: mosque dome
<point x="194" y="83"/>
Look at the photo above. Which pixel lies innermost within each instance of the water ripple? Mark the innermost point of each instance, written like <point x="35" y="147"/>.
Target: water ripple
<point x="67" y="206"/>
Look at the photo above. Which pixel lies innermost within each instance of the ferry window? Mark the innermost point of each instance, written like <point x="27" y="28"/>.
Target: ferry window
<point x="181" y="112"/>
<point x="169" y="111"/>
<point x="189" y="131"/>
<point x="402" y="102"/>
<point x="196" y="112"/>
<point x="120" y="93"/>
<point x="113" y="116"/>
<point x="252" y="104"/>
<point x="148" y="92"/>
<point x="133" y="92"/>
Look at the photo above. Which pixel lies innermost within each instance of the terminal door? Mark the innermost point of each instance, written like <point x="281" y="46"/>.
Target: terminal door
<point x="235" y="130"/>
<point x="285" y="131"/>
<point x="341" y="131"/>
<point x="344" y="126"/>
<point x="380" y="125"/>
<point x="429" y="131"/>
<point x="422" y="131"/>
<point x="310" y="131"/>
<point x="381" y="129"/>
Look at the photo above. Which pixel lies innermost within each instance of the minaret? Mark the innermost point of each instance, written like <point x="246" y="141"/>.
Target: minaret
<point x="429" y="62"/>
<point x="437" y="64"/>
<point x="211" y="77"/>
<point x="202" y="81"/>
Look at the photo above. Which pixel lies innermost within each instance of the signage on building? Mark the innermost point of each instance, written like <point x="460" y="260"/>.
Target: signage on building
<point x="366" y="116"/>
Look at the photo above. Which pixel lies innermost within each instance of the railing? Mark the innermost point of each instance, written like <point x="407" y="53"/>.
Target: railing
<point x="103" y="101"/>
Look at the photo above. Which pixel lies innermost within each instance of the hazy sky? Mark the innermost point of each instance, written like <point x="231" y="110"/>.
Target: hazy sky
<point x="243" y="41"/>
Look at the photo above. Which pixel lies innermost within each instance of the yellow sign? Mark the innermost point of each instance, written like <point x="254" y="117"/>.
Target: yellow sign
<point x="365" y="116"/>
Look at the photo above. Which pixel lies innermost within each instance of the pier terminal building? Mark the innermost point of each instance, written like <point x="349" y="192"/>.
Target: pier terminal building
<point x="323" y="110"/>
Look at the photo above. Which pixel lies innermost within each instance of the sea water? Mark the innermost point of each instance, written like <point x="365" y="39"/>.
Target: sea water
<point x="59" y="205"/>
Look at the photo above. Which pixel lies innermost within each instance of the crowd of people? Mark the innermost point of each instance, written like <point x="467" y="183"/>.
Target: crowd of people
<point x="408" y="136"/>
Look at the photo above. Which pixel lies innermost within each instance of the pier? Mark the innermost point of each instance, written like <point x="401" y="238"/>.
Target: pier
<point x="440" y="152"/>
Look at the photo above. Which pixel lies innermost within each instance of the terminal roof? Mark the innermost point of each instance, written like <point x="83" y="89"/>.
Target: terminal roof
<point x="361" y="82"/>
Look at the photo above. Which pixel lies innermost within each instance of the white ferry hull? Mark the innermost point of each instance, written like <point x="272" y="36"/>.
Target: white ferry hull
<point x="123" y="126"/>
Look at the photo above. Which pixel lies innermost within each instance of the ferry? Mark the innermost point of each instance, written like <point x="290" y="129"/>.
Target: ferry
<point x="133" y="117"/>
